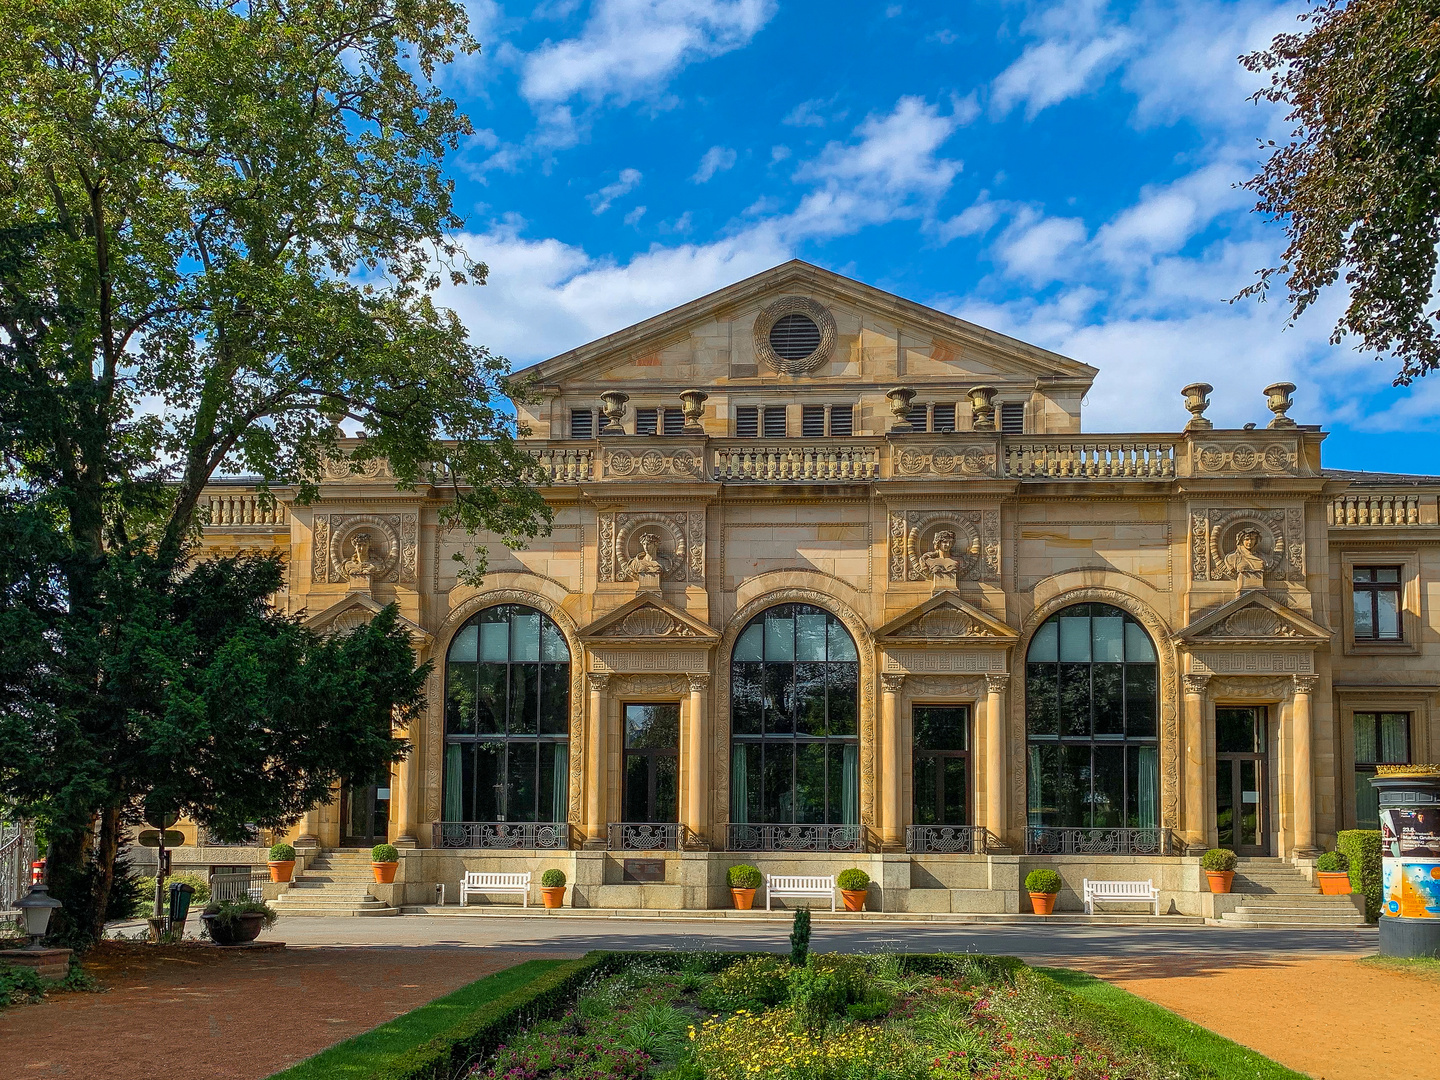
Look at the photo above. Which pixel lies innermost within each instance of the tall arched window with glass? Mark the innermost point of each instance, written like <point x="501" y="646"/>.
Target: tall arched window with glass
<point x="795" y="747"/>
<point x="507" y="723"/>
<point x="1091" y="707"/>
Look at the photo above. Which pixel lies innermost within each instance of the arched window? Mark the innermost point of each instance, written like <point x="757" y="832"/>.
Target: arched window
<point x="795" y="748"/>
<point x="1090" y="713"/>
<point x="507" y="718"/>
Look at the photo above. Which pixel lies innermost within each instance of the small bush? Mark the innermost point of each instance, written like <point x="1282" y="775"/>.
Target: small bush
<point x="1042" y="881"/>
<point x="228" y="912"/>
<point x="1332" y="862"/>
<point x="853" y="880"/>
<point x="756" y="982"/>
<point x="144" y="902"/>
<point x="282" y="853"/>
<point x="876" y="1003"/>
<point x="800" y="937"/>
<point x="1362" y="848"/>
<point x="552" y="879"/>
<point x="384" y="853"/>
<point x="815" y="996"/>
<point x="19" y="985"/>
<point x="743" y="876"/>
<point x="1219" y="860"/>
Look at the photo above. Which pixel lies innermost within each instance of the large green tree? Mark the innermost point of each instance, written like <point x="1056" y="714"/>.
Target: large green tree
<point x="1357" y="184"/>
<point x="221" y="226"/>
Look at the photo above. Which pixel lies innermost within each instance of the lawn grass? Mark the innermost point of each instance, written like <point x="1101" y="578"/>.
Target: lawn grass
<point x="1206" y="1054"/>
<point x="1427" y="967"/>
<point x="370" y="1051"/>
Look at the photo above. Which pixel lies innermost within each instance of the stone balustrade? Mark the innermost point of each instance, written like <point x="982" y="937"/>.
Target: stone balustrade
<point x="564" y="464"/>
<point x="1377" y="508"/>
<point x="1085" y="459"/>
<point x="783" y="460"/>
<point x="241" y="507"/>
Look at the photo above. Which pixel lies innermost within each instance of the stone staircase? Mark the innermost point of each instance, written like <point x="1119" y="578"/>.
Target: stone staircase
<point x="1273" y="893"/>
<point x="335" y="883"/>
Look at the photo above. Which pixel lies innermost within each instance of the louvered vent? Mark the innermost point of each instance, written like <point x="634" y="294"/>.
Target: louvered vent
<point x="794" y="337"/>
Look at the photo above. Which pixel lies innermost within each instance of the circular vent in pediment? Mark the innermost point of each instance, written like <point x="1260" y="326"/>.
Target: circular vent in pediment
<point x="794" y="335"/>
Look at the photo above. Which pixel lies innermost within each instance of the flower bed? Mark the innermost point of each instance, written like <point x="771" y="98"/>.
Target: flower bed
<point x="836" y="1018"/>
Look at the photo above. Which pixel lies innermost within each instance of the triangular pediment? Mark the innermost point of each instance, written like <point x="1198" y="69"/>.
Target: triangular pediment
<point x="357" y="609"/>
<point x="943" y="620"/>
<point x="704" y="341"/>
<point x="1253" y="618"/>
<point x="647" y="619"/>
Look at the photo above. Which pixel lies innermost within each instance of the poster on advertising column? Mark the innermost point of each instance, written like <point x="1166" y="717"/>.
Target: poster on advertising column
<point x="1410" y="843"/>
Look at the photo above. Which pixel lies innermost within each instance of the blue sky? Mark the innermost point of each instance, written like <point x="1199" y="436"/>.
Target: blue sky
<point x="1061" y="172"/>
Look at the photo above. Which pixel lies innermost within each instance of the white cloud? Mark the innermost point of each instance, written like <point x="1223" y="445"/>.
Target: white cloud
<point x="807" y="114"/>
<point x="716" y="159"/>
<point x="1038" y="248"/>
<point x="628" y="180"/>
<point x="1167" y="216"/>
<point x="975" y="220"/>
<point x="631" y="48"/>
<point x="634" y="216"/>
<point x="1051" y="71"/>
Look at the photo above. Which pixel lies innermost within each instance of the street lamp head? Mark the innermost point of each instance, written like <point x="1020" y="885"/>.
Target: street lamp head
<point x="37" y="905"/>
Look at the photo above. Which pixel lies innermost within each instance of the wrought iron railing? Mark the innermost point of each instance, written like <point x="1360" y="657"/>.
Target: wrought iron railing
<point x="502" y="834"/>
<point x="1057" y="841"/>
<point x="647" y="836"/>
<point x="946" y="839"/>
<point x="241" y="885"/>
<point x="17" y="852"/>
<point x="252" y="838"/>
<point x="794" y="838"/>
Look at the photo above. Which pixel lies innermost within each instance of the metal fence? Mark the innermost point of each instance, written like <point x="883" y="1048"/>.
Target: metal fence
<point x="238" y="885"/>
<point x="502" y="834"/>
<point x="946" y="839"/>
<point x="794" y="838"/>
<point x="647" y="836"/>
<point x="1056" y="841"/>
<point x="17" y="852"/>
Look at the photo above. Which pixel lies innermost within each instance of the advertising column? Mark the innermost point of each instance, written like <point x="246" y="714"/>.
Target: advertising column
<point x="1410" y="846"/>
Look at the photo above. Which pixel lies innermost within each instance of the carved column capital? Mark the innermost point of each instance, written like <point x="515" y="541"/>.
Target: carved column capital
<point x="699" y="683"/>
<point x="598" y="683"/>
<point x="997" y="684"/>
<point x="1305" y="684"/>
<point x="892" y="684"/>
<point x="1195" y="684"/>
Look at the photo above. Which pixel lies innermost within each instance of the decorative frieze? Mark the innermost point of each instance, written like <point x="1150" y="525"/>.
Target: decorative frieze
<point x="684" y="661"/>
<point x="1247" y="546"/>
<point x="939" y="661"/>
<point x="944" y="459"/>
<point x="1253" y="661"/>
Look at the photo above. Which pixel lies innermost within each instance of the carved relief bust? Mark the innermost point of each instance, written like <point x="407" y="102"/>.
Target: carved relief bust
<point x="1245" y="562"/>
<point x="939" y="560"/>
<point x="360" y="564"/>
<point x="650" y="561"/>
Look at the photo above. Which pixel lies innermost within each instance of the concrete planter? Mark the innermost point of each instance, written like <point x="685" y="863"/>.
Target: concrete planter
<point x="1333" y="883"/>
<point x="1220" y="880"/>
<point x="1043" y="902"/>
<point x="240" y="930"/>
<point x="281" y="871"/>
<point x="553" y="896"/>
<point x="385" y="872"/>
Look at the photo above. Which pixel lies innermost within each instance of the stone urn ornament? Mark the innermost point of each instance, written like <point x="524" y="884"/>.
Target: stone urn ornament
<point x="1197" y="400"/>
<point x="612" y="405"/>
<point x="692" y="407"/>
<point x="982" y="408"/>
<point x="1278" y="401"/>
<point x="900" y="399"/>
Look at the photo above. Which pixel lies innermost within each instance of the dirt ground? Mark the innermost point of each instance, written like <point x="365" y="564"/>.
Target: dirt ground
<point x="227" y="1015"/>
<point x="1335" y="1019"/>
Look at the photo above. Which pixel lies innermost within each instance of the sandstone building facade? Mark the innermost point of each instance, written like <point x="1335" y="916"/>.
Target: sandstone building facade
<point x="836" y="579"/>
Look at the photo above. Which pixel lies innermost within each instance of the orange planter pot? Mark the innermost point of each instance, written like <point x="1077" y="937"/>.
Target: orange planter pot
<point x="743" y="898"/>
<point x="1333" y="883"/>
<point x="854" y="899"/>
<point x="1220" y="880"/>
<point x="281" y="871"/>
<point x="553" y="896"/>
<point x="1043" y="902"/>
<point x="385" y="872"/>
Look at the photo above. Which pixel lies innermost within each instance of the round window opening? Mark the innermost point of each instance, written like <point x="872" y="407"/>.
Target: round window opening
<point x="794" y="337"/>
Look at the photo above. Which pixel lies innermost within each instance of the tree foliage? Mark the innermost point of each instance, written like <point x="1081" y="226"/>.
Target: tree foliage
<point x="1358" y="182"/>
<point x="222" y="223"/>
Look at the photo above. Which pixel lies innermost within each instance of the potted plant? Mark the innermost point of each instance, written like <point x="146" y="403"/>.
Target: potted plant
<point x="384" y="860"/>
<point x="1043" y="886"/>
<point x="234" y="922"/>
<point x="552" y="888"/>
<point x="852" y="884"/>
<point x="1219" y="865"/>
<point x="1333" y="870"/>
<point x="743" y="880"/>
<point x="282" y="862"/>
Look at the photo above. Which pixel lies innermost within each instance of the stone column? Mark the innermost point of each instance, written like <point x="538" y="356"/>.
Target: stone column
<point x="595" y="772"/>
<point x="403" y="799"/>
<point x="1304" y="765"/>
<point x="696" y="790"/>
<point x="1195" y="823"/>
<point x="995" y="686"/>
<point x="892" y="837"/>
<point x="309" y="829"/>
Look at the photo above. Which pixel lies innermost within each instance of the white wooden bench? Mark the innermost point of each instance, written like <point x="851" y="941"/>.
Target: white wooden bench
<point x="480" y="884"/>
<point x="777" y="885"/>
<point x="1143" y="892"/>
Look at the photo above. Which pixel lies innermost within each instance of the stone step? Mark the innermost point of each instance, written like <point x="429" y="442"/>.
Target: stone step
<point x="299" y="912"/>
<point x="335" y="875"/>
<point x="329" y="902"/>
<point x="1298" y="922"/>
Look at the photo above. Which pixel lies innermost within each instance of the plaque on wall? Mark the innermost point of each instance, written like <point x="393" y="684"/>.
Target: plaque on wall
<point x="645" y="870"/>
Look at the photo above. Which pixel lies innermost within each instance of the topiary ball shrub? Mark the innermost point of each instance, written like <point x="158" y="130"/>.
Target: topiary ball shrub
<point x="384" y="853"/>
<point x="743" y="876"/>
<point x="1332" y="862"/>
<point x="282" y="853"/>
<point x="1042" y="881"/>
<point x="1219" y="860"/>
<point x="552" y="879"/>
<point x="853" y="880"/>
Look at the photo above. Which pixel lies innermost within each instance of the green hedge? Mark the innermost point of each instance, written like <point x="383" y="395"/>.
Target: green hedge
<point x="1362" y="848"/>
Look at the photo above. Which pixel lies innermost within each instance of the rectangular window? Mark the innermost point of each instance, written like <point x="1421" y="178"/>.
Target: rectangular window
<point x="1376" y="595"/>
<point x="774" y="420"/>
<point x="1381" y="738"/>
<point x="944" y="417"/>
<point x="1012" y="418"/>
<point x="647" y="421"/>
<point x="919" y="417"/>
<point x="674" y="422"/>
<point x="842" y="420"/>
<point x="582" y="424"/>
<point x="747" y="421"/>
<point x="812" y="421"/>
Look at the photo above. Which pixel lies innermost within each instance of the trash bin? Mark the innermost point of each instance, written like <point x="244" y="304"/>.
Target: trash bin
<point x="180" y="895"/>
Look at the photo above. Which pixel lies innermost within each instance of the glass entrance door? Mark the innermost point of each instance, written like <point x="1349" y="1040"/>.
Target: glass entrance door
<point x="652" y="763"/>
<point x="942" y="764"/>
<point x="1241" y="797"/>
<point x="364" y="815"/>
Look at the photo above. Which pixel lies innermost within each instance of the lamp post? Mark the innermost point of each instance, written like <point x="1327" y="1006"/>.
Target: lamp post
<point x="37" y="906"/>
